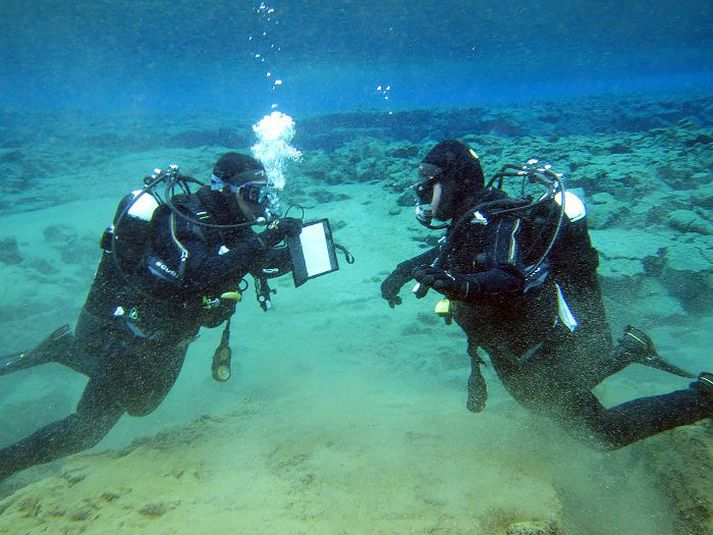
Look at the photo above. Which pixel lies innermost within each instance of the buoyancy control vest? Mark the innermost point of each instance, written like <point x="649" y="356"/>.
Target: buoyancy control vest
<point x="131" y="290"/>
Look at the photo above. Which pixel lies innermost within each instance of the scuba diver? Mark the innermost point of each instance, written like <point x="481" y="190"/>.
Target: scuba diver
<point x="519" y="277"/>
<point x="173" y="261"/>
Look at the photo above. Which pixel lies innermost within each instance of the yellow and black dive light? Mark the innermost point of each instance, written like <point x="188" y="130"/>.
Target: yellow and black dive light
<point x="220" y="367"/>
<point x="443" y="309"/>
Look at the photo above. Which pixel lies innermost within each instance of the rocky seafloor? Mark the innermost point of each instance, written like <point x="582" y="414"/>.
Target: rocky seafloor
<point x="644" y="165"/>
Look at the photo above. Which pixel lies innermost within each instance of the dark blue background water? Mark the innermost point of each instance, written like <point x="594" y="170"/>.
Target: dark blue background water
<point x="183" y="54"/>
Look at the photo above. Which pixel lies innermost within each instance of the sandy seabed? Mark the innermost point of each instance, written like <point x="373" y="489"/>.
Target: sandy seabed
<point x="344" y="416"/>
<point x="339" y="454"/>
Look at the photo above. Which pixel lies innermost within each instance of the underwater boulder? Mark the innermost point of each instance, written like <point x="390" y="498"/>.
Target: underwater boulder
<point x="675" y="176"/>
<point x="606" y="211"/>
<point x="694" y="290"/>
<point x="703" y="196"/>
<point x="81" y="252"/>
<point x="689" y="221"/>
<point x="322" y="196"/>
<point x="680" y="461"/>
<point x="702" y="139"/>
<point x="619" y="148"/>
<point x="58" y="234"/>
<point x="11" y="156"/>
<point x="405" y="199"/>
<point x="403" y="150"/>
<point x="502" y="126"/>
<point x="9" y="251"/>
<point x="547" y="527"/>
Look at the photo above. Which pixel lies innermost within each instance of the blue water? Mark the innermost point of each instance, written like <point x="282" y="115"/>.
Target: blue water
<point x="357" y="408"/>
<point x="183" y="55"/>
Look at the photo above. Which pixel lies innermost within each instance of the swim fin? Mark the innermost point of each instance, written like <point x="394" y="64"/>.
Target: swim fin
<point x="55" y="348"/>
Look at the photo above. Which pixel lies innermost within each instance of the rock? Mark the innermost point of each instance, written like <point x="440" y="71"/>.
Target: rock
<point x="689" y="221"/>
<point x="694" y="290"/>
<point x="42" y="266"/>
<point x="602" y="198"/>
<point x="623" y="250"/>
<point x="406" y="199"/>
<point x="703" y="139"/>
<point x="534" y="528"/>
<point x="59" y="233"/>
<point x="503" y="126"/>
<point x="677" y="177"/>
<point x="550" y="118"/>
<point x="605" y="211"/>
<point x="403" y="150"/>
<point x="11" y="156"/>
<point x="322" y="196"/>
<point x="637" y="262"/>
<point x="703" y="196"/>
<point x="620" y="148"/>
<point x="655" y="264"/>
<point x="338" y="224"/>
<point x="79" y="252"/>
<point x="9" y="251"/>
<point x="154" y="509"/>
<point x="682" y="462"/>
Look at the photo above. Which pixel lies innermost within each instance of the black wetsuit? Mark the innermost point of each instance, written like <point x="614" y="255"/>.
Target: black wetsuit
<point x="132" y="343"/>
<point x="546" y="366"/>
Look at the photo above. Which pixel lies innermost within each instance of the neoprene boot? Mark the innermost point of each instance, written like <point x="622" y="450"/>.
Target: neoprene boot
<point x="704" y="386"/>
<point x="637" y="346"/>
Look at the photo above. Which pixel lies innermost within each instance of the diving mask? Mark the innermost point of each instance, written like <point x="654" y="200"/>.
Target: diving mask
<point x="255" y="193"/>
<point x="251" y="186"/>
<point x="428" y="176"/>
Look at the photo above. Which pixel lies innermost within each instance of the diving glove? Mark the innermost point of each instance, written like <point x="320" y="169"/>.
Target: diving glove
<point x="391" y="286"/>
<point x="287" y="227"/>
<point x="453" y="286"/>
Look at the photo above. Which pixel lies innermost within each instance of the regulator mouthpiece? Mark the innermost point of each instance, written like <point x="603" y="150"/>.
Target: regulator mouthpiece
<point x="424" y="214"/>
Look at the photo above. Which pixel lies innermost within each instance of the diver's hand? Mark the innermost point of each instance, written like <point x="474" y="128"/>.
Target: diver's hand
<point x="453" y="286"/>
<point x="391" y="286"/>
<point x="290" y="227"/>
<point x="287" y="227"/>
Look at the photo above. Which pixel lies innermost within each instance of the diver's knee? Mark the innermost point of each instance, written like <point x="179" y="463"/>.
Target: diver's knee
<point x="144" y="407"/>
<point x="605" y="444"/>
<point x="88" y="432"/>
<point x="597" y="439"/>
<point x="138" y="412"/>
<point x="91" y="439"/>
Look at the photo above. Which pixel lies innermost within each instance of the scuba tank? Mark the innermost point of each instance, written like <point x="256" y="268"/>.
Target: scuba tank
<point x="128" y="241"/>
<point x="128" y="238"/>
